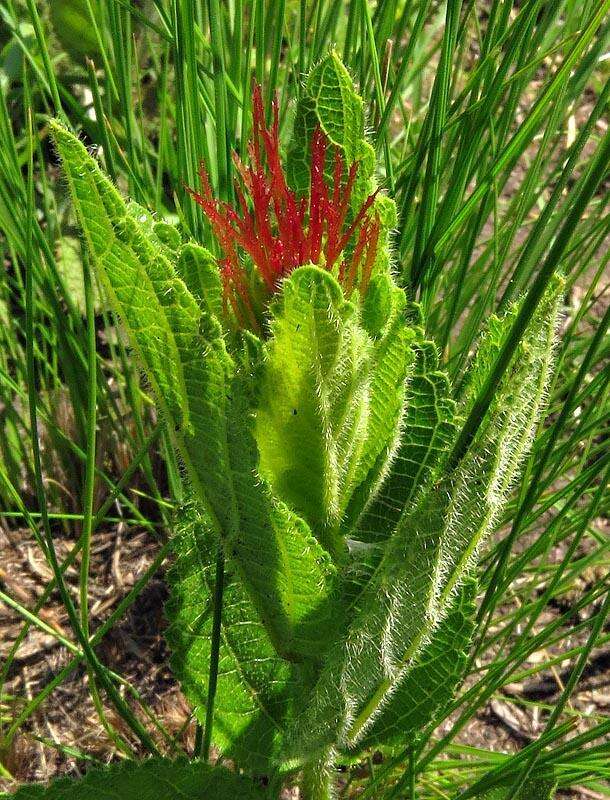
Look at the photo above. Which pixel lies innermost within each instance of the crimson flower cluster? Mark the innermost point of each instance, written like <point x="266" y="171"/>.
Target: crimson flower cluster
<point x="280" y="231"/>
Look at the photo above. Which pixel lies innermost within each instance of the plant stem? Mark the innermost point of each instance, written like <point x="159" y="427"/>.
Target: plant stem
<point x="214" y="653"/>
<point x="316" y="783"/>
<point x="90" y="464"/>
<point x="411" y="772"/>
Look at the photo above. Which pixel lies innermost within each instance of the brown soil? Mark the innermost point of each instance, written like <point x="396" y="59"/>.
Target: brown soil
<point x="135" y="648"/>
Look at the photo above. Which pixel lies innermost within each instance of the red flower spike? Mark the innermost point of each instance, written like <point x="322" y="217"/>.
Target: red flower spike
<point x="279" y="231"/>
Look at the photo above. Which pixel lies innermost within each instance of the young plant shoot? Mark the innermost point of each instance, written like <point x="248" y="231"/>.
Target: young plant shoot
<point x="317" y="432"/>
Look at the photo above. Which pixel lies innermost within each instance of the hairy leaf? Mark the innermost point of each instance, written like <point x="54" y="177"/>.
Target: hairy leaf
<point x="339" y="109"/>
<point x="254" y="683"/>
<point x="428" y="428"/>
<point x="157" y="310"/>
<point x="430" y="554"/>
<point x="489" y="469"/>
<point x="207" y="402"/>
<point x="393" y="365"/>
<point x="168" y="234"/>
<point x="331" y="102"/>
<point x="198" y="269"/>
<point x="311" y="422"/>
<point x="156" y="779"/>
<point x="330" y="403"/>
<point x="491" y="341"/>
<point x="430" y="685"/>
<point x="290" y="576"/>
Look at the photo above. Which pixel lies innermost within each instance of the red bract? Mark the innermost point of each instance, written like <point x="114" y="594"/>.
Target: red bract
<point x="280" y="231"/>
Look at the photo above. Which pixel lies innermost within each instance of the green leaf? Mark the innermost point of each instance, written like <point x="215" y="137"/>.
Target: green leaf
<point x="430" y="554"/>
<point x="254" y="684"/>
<point x="339" y="109"/>
<point x="290" y="576"/>
<point x="489" y="345"/>
<point x="490" y="468"/>
<point x="330" y="101"/>
<point x="428" y="428"/>
<point x="168" y="234"/>
<point x="299" y="158"/>
<point x="311" y="421"/>
<point x="198" y="269"/>
<point x="330" y="402"/>
<point x="208" y="403"/>
<point x="393" y="360"/>
<point x="430" y="685"/>
<point x="156" y="779"/>
<point x="159" y="314"/>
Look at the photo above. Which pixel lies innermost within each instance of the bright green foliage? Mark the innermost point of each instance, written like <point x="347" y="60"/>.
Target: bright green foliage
<point x="198" y="269"/>
<point x="156" y="779"/>
<point x="430" y="554"/>
<point x="491" y="202"/>
<point x="338" y="107"/>
<point x="340" y="112"/>
<point x="428" y="428"/>
<point x="488" y="470"/>
<point x="167" y="234"/>
<point x="330" y="402"/>
<point x="311" y="422"/>
<point x="254" y="683"/>
<point x="289" y="575"/>
<point x="392" y="377"/>
<point x="158" y="312"/>
<point x="431" y="683"/>
<point x="331" y="102"/>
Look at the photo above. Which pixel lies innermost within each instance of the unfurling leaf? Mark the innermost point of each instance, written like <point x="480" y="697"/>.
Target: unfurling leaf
<point x="311" y="421"/>
<point x="330" y="401"/>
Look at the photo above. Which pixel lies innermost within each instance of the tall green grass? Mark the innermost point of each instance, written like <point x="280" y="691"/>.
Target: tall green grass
<point x="490" y="124"/>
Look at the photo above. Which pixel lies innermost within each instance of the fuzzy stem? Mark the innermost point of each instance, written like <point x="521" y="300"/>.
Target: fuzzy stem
<point x="316" y="783"/>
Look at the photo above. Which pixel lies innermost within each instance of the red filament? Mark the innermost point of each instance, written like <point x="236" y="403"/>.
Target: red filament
<point x="280" y="231"/>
